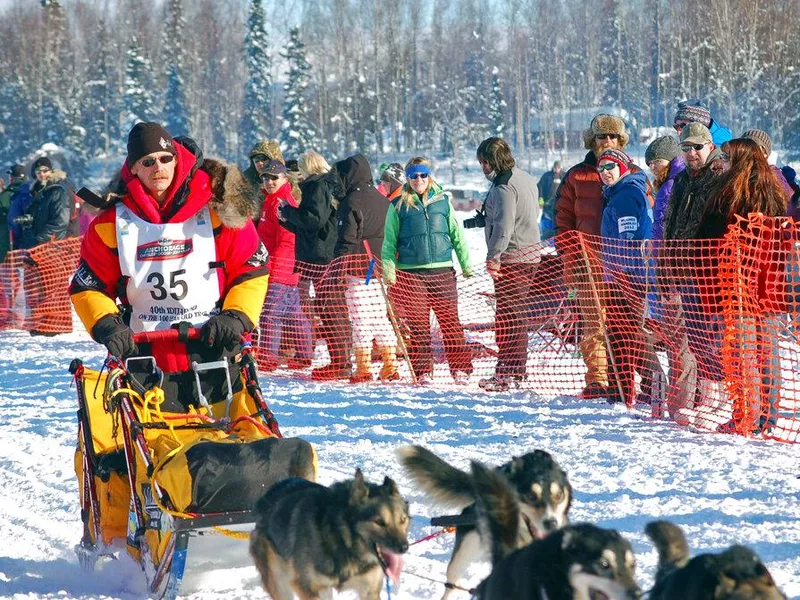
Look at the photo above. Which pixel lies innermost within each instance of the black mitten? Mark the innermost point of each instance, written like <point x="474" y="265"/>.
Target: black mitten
<point x="116" y="336"/>
<point x="225" y="329"/>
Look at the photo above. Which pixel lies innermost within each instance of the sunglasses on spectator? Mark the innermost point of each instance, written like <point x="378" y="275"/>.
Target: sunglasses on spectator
<point x="164" y="160"/>
<point x="679" y="126"/>
<point x="606" y="136"/>
<point x="260" y="158"/>
<point x="724" y="156"/>
<point x="418" y="176"/>
<point x="695" y="147"/>
<point x="606" y="167"/>
<point x="269" y="177"/>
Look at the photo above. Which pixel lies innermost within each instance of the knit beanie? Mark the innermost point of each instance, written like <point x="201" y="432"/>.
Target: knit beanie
<point x="617" y="156"/>
<point x="693" y="111"/>
<point x="761" y="138"/>
<point x="42" y="161"/>
<point x="393" y="173"/>
<point x="664" y="147"/>
<point x="146" y="138"/>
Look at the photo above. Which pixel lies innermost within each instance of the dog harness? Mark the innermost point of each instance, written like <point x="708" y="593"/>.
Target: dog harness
<point x="170" y="269"/>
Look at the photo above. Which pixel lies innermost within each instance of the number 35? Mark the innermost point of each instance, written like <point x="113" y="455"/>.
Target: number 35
<point x="175" y="285"/>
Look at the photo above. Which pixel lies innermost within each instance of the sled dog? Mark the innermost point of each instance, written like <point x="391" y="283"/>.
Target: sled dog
<point x="310" y="539"/>
<point x="576" y="562"/>
<point x="735" y="574"/>
<point x="541" y="488"/>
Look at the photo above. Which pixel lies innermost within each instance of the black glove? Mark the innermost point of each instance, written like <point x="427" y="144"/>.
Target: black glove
<point x="116" y="336"/>
<point x="225" y="329"/>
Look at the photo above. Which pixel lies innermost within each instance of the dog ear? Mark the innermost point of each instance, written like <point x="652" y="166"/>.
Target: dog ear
<point x="516" y="465"/>
<point x="358" y="489"/>
<point x="390" y="485"/>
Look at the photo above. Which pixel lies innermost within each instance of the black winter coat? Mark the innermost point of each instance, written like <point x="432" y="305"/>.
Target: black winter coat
<point x="687" y="204"/>
<point x="314" y="221"/>
<point x="362" y="211"/>
<point x="51" y="208"/>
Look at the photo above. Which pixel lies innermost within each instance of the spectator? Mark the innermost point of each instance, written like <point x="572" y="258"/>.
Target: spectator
<point x="164" y="198"/>
<point x="791" y="178"/>
<point x="579" y="208"/>
<point x="765" y="144"/>
<point x="20" y="202"/>
<point x="663" y="157"/>
<point x="547" y="187"/>
<point x="392" y="180"/>
<point x="281" y="312"/>
<point x="361" y="220"/>
<point x="259" y="156"/>
<point x="16" y="179"/>
<point x="48" y="215"/>
<point x="686" y="273"/>
<point x="750" y="187"/>
<point x="627" y="216"/>
<point x="695" y="111"/>
<point x="420" y="237"/>
<point x="513" y="252"/>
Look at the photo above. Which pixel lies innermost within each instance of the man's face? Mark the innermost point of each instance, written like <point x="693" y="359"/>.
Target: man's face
<point x="272" y="183"/>
<point x="696" y="155"/>
<point x="260" y="162"/>
<point x="155" y="171"/>
<point x="604" y="141"/>
<point x="43" y="173"/>
<point x="679" y="125"/>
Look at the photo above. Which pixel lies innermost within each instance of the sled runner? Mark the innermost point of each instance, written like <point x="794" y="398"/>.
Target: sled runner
<point x="161" y="477"/>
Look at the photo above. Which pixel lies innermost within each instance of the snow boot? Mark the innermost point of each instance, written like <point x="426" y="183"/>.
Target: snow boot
<point x="389" y="369"/>
<point x="363" y="365"/>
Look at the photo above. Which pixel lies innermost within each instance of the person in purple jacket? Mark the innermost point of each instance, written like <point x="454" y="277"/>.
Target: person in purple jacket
<point x="665" y="160"/>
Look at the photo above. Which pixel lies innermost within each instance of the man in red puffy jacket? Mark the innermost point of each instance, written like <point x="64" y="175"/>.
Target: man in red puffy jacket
<point x="282" y="307"/>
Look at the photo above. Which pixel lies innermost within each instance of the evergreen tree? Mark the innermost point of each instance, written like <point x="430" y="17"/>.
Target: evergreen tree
<point x="15" y="115"/>
<point x="140" y="101"/>
<point x="176" y="109"/>
<point x="298" y="133"/>
<point x="53" y="110"/>
<point x="99" y="124"/>
<point x="257" y="110"/>
<point x="496" y="105"/>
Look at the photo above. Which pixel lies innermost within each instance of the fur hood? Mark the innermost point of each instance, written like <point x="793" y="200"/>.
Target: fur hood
<point x="234" y="200"/>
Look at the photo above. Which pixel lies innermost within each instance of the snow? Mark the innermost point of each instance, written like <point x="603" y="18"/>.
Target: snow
<point x="626" y="469"/>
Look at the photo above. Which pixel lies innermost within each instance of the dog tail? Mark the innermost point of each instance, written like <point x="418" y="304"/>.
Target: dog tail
<point x="443" y="483"/>
<point x="671" y="544"/>
<point x="498" y="510"/>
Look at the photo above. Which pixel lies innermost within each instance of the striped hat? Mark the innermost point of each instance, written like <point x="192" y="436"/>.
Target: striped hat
<point x="617" y="156"/>
<point x="693" y="111"/>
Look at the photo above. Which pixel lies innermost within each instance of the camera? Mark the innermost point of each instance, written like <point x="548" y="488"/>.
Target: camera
<point x="24" y="221"/>
<point x="479" y="220"/>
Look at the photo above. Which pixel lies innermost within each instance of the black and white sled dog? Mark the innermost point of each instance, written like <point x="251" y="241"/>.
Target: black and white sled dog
<point x="310" y="539"/>
<point x="576" y="562"/>
<point x="735" y="574"/>
<point x="541" y="490"/>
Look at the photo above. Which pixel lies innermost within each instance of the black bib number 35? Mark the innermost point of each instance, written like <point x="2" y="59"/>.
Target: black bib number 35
<point x="178" y="288"/>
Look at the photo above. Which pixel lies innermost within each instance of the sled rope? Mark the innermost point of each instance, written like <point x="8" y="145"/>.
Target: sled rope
<point x="434" y="535"/>
<point x="446" y="584"/>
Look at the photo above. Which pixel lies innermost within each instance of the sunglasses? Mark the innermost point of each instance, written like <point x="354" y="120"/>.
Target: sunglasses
<point x="260" y="158"/>
<point x="269" y="177"/>
<point x="418" y="176"/>
<point x="606" y="136"/>
<point x="679" y="126"/>
<point x="695" y="147"/>
<point x="40" y="171"/>
<point x="724" y="156"/>
<point x="164" y="160"/>
<point x="606" y="167"/>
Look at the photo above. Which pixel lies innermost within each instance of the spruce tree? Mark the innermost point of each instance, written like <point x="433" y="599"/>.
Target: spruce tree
<point x="16" y="116"/>
<point x="99" y="103"/>
<point x="176" y="109"/>
<point x="140" y="101"/>
<point x="298" y="134"/>
<point x="496" y="105"/>
<point x="257" y="109"/>
<point x="54" y="85"/>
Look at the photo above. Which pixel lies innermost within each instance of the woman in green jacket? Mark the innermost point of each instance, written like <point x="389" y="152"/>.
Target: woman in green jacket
<point x="420" y="237"/>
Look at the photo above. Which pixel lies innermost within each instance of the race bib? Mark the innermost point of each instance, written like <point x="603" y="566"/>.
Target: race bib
<point x="169" y="266"/>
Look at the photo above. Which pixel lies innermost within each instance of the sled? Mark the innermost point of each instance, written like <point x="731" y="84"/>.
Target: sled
<point x="166" y="486"/>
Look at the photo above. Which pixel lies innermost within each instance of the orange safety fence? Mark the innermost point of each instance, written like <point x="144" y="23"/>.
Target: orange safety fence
<point x="701" y="332"/>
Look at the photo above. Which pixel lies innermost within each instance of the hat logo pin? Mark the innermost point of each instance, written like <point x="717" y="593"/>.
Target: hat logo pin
<point x="163" y="143"/>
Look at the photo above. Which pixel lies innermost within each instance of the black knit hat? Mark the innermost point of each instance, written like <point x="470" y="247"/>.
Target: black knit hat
<point x="146" y="138"/>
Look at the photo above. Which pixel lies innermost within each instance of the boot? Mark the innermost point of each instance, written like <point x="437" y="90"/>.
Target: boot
<point x="363" y="365"/>
<point x="389" y="368"/>
<point x="713" y="397"/>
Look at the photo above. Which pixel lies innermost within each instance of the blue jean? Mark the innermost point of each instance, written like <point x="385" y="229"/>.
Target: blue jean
<point x="282" y="309"/>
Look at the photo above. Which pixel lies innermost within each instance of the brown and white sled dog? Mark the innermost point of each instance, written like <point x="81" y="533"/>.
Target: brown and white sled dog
<point x="541" y="490"/>
<point x="735" y="574"/>
<point x="310" y="539"/>
<point x="576" y="562"/>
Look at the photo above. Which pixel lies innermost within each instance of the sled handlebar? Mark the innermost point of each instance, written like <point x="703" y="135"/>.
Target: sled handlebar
<point x="167" y="335"/>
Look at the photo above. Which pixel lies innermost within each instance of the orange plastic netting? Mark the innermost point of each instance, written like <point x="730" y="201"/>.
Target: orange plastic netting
<point x="701" y="332"/>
